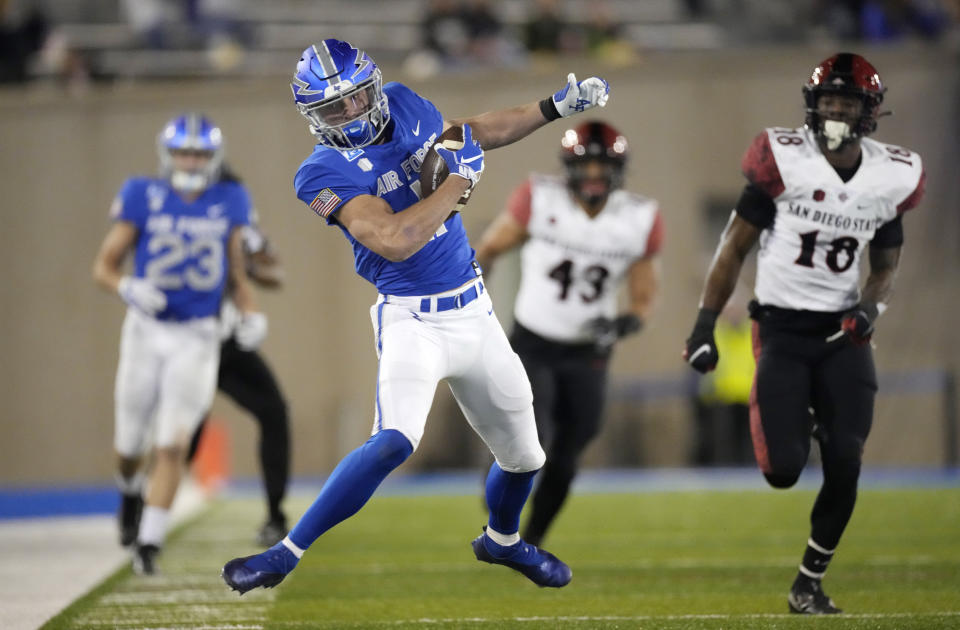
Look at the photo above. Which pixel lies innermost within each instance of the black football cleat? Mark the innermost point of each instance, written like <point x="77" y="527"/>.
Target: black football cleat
<point x="266" y="569"/>
<point x="541" y="567"/>
<point x="128" y="518"/>
<point x="272" y="532"/>
<point x="145" y="559"/>
<point x="806" y="597"/>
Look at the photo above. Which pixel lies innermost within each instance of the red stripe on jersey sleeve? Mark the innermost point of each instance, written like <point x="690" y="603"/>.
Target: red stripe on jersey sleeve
<point x="655" y="238"/>
<point x="760" y="167"/>
<point x="519" y="202"/>
<point x="913" y="200"/>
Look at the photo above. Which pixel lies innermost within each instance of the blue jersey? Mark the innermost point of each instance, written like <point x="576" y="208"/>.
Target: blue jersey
<point x="182" y="247"/>
<point x="328" y="178"/>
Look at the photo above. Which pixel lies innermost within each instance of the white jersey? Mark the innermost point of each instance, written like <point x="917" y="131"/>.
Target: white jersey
<point x="572" y="264"/>
<point x="809" y="257"/>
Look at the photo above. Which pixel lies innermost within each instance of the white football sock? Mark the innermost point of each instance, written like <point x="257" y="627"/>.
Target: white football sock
<point x="504" y="540"/>
<point x="153" y="525"/>
<point x="289" y="544"/>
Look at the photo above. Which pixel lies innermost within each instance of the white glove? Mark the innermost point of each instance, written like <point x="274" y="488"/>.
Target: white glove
<point x="577" y="96"/>
<point x="467" y="161"/>
<point x="142" y="295"/>
<point x="251" y="331"/>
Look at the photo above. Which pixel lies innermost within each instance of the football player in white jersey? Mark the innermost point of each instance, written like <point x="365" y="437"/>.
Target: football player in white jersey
<point x="583" y="238"/>
<point x="184" y="229"/>
<point x="816" y="198"/>
<point x="433" y="319"/>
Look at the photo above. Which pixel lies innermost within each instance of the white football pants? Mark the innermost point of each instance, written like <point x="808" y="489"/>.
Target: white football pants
<point x="466" y="347"/>
<point x="166" y="381"/>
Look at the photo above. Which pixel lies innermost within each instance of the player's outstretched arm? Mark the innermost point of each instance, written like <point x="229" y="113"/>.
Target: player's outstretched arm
<point x="502" y="127"/>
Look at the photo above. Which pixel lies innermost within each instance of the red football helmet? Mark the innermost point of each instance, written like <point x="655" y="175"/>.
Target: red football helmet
<point x="593" y="140"/>
<point x="851" y="75"/>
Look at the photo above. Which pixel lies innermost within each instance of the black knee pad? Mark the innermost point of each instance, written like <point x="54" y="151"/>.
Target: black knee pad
<point x="781" y="480"/>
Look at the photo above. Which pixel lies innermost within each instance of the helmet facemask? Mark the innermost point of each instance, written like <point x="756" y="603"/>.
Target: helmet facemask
<point x="847" y="75"/>
<point x="353" y="117"/>
<point x="583" y="180"/>
<point x="194" y="134"/>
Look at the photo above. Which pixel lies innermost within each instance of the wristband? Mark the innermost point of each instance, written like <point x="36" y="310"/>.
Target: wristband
<point x="549" y="109"/>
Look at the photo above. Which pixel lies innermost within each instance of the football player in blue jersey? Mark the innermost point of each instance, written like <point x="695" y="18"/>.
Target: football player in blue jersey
<point x="184" y="230"/>
<point x="433" y="319"/>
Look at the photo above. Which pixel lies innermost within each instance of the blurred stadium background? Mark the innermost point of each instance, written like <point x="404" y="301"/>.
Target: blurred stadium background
<point x="88" y="83"/>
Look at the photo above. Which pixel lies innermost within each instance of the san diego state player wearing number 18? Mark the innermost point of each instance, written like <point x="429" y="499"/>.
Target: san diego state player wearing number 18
<point x="433" y="319"/>
<point x="815" y="198"/>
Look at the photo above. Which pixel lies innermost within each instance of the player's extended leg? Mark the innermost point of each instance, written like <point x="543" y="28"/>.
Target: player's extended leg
<point x="410" y="361"/>
<point x="844" y="391"/>
<point x="779" y="418"/>
<point x="577" y="414"/>
<point x="187" y="387"/>
<point x="135" y="399"/>
<point x="248" y="380"/>
<point x="494" y="394"/>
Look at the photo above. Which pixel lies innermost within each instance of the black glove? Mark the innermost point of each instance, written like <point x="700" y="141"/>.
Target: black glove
<point x="701" y="351"/>
<point x="606" y="331"/>
<point x="858" y="322"/>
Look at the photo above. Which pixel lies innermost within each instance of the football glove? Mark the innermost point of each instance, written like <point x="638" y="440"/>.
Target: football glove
<point x="606" y="331"/>
<point x="858" y="322"/>
<point x="142" y="295"/>
<point x="251" y="331"/>
<point x="577" y="96"/>
<point x="701" y="351"/>
<point x="466" y="162"/>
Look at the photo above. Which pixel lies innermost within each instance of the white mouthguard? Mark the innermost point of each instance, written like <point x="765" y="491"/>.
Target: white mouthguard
<point x="835" y="132"/>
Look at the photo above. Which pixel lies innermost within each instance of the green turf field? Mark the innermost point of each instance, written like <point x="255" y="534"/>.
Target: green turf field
<point x="650" y="560"/>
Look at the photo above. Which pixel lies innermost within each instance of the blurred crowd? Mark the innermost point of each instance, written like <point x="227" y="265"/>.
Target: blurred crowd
<point x="442" y="35"/>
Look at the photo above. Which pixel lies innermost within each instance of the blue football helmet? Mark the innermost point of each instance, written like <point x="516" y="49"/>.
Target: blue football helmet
<point x="190" y="132"/>
<point x="339" y="89"/>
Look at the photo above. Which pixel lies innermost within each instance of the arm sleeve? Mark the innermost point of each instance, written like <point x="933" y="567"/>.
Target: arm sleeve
<point x="759" y="166"/>
<point x="890" y="234"/>
<point x="519" y="202"/>
<point x="756" y="207"/>
<point x="130" y="204"/>
<point x="655" y="237"/>
<point x="324" y="191"/>
<point x="913" y="199"/>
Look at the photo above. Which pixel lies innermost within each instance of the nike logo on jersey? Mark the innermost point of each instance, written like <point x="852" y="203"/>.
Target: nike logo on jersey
<point x="490" y="312"/>
<point x="702" y="349"/>
<point x="416" y="130"/>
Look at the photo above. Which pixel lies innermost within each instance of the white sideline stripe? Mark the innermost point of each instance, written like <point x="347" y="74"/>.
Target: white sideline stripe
<point x="46" y="563"/>
<point x="692" y="617"/>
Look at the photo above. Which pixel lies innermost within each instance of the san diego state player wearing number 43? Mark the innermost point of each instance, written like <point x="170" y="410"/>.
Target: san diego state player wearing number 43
<point x="816" y="197"/>
<point x="433" y="319"/>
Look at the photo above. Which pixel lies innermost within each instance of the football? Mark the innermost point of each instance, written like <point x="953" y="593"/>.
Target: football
<point x="434" y="170"/>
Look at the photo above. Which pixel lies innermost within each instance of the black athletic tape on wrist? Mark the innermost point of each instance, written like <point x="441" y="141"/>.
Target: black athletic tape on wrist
<point x="706" y="319"/>
<point x="549" y="109"/>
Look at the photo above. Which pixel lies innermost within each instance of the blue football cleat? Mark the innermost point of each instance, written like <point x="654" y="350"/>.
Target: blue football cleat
<point x="265" y="569"/>
<point x="541" y="567"/>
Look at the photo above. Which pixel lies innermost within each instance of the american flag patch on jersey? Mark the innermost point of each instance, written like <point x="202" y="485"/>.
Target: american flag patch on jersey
<point x="324" y="203"/>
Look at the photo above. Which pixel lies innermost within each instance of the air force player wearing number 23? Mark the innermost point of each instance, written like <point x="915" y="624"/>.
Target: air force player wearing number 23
<point x="815" y="198"/>
<point x="433" y="319"/>
<point x="184" y="228"/>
